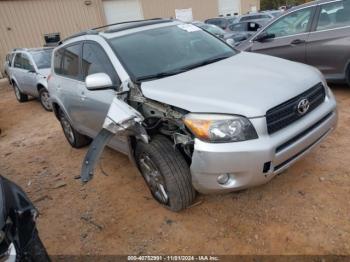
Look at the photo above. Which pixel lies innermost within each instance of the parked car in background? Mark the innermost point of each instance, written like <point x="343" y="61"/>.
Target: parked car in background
<point x="28" y="72"/>
<point x="273" y="13"/>
<point x="256" y="16"/>
<point x="245" y="30"/>
<point x="192" y="112"/>
<point x="316" y="33"/>
<point x="223" y="22"/>
<point x="232" y="38"/>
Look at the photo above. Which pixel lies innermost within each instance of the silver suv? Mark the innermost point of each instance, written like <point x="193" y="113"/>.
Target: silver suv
<point x="190" y="111"/>
<point x="28" y="70"/>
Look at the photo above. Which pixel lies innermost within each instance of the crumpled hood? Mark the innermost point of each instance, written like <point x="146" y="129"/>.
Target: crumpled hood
<point x="246" y="84"/>
<point x="45" y="72"/>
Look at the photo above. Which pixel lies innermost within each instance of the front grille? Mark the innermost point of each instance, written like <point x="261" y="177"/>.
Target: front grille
<point x="285" y="114"/>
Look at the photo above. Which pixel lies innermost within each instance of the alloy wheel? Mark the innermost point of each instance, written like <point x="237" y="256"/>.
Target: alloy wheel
<point x="45" y="100"/>
<point x="67" y="129"/>
<point x="17" y="92"/>
<point x="154" y="179"/>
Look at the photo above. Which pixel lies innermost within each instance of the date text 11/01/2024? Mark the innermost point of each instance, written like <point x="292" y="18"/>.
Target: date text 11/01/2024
<point x="173" y="258"/>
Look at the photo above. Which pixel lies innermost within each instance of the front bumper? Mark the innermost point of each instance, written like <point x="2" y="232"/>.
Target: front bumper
<point x="255" y="162"/>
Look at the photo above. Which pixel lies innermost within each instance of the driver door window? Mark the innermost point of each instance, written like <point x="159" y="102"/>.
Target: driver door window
<point x="292" y="24"/>
<point x="288" y="36"/>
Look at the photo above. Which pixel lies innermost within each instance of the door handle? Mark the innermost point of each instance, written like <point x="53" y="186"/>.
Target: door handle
<point x="298" y="42"/>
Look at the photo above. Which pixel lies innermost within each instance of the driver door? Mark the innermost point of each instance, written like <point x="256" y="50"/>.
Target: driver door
<point x="289" y="36"/>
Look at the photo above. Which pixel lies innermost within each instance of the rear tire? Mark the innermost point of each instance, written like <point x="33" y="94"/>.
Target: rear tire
<point x="19" y="95"/>
<point x="74" y="138"/>
<point x="166" y="173"/>
<point x="44" y="99"/>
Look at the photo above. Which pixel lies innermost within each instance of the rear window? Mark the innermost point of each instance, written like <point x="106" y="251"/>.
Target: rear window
<point x="58" y="60"/>
<point x="67" y="61"/>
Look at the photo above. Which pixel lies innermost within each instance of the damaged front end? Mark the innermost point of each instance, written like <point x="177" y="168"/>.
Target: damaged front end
<point x="121" y="118"/>
<point x="150" y="118"/>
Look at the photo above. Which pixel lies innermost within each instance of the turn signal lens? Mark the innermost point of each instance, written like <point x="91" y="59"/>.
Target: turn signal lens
<point x="199" y="127"/>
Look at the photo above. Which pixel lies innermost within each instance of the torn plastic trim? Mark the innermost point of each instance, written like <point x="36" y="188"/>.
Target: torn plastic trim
<point x="121" y="119"/>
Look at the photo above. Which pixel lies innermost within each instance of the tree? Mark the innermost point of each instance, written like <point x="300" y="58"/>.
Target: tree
<point x="275" y="4"/>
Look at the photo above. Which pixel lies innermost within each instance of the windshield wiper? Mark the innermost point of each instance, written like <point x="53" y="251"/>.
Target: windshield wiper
<point x="206" y="62"/>
<point x="160" y="75"/>
<point x="182" y="70"/>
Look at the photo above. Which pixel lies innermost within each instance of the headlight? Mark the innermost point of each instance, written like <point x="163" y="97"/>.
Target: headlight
<point x="220" y="128"/>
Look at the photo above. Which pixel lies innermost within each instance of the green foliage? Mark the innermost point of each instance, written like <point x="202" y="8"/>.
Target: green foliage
<point x="275" y="4"/>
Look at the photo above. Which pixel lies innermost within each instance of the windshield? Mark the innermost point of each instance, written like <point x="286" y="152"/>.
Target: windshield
<point x="42" y="58"/>
<point x="168" y="50"/>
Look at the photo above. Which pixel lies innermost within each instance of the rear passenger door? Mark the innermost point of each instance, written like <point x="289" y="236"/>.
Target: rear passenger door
<point x="94" y="105"/>
<point x="328" y="47"/>
<point x="18" y="72"/>
<point x="70" y="82"/>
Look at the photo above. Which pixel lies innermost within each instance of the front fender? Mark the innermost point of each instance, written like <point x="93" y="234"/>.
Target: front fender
<point x="42" y="82"/>
<point x="121" y="119"/>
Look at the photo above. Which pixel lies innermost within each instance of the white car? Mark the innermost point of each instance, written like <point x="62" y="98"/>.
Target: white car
<point x="191" y="112"/>
<point x="28" y="70"/>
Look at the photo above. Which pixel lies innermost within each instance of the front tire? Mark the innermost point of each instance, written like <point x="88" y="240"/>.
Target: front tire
<point x="74" y="138"/>
<point x="19" y="95"/>
<point x="166" y="173"/>
<point x="44" y="98"/>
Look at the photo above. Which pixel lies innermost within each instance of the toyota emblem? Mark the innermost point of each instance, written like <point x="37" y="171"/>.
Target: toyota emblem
<point x="303" y="106"/>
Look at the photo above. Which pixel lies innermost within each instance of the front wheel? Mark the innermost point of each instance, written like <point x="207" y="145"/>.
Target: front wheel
<point x="166" y="173"/>
<point x="45" y="99"/>
<point x="19" y="95"/>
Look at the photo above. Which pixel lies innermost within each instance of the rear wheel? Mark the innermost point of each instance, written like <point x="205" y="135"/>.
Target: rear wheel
<point x="19" y="95"/>
<point x="45" y="99"/>
<point x="75" y="139"/>
<point x="166" y="173"/>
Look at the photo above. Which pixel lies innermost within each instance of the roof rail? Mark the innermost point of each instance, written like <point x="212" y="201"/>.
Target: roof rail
<point x="94" y="31"/>
<point x="126" y="22"/>
<point x="136" y="24"/>
<point x="88" y="32"/>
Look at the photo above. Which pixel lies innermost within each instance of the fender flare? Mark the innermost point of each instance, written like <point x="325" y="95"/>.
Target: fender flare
<point x="42" y="83"/>
<point x="13" y="80"/>
<point x="57" y="105"/>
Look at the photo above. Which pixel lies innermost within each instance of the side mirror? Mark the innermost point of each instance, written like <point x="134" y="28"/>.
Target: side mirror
<point x="98" y="81"/>
<point x="32" y="70"/>
<point x="264" y="36"/>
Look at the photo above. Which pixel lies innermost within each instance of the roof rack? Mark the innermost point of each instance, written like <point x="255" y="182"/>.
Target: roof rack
<point x="127" y="22"/>
<point x="133" y="24"/>
<point x="88" y="32"/>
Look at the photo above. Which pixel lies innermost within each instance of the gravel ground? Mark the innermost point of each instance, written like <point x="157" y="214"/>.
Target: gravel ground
<point x="303" y="211"/>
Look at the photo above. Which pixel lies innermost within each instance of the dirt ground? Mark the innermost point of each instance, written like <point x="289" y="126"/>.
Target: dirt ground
<point x="305" y="210"/>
